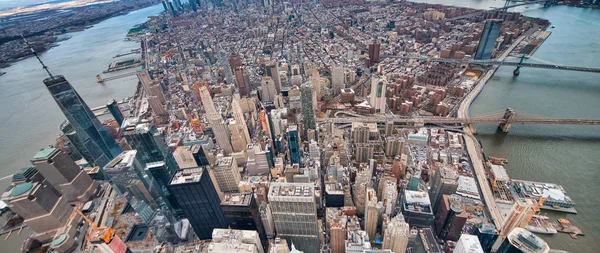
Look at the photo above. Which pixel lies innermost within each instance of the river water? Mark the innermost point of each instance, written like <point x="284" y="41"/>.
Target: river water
<point x="29" y="117"/>
<point x="562" y="154"/>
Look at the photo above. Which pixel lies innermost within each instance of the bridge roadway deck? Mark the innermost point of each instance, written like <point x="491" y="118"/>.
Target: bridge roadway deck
<point x="502" y="63"/>
<point x="442" y="120"/>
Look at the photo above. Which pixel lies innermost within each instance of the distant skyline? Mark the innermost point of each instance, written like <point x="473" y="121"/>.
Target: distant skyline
<point x="9" y="4"/>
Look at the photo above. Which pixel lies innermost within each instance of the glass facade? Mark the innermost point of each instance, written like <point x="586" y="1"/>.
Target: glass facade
<point x="487" y="43"/>
<point x="292" y="136"/>
<point x="94" y="137"/>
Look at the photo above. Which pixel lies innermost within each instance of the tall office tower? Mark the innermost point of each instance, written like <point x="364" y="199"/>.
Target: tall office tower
<point x="115" y="110"/>
<point x="233" y="240"/>
<point x="221" y="132"/>
<point x="238" y="115"/>
<point x="42" y="207"/>
<point x="127" y="175"/>
<point x="394" y="146"/>
<point x="95" y="138"/>
<point x="486" y="234"/>
<point x="227" y="174"/>
<point x="241" y="212"/>
<point x="172" y="9"/>
<point x="521" y="211"/>
<point x="374" y="53"/>
<point x="416" y="207"/>
<point x="67" y="129"/>
<point x="308" y="113"/>
<point x="315" y="79"/>
<point x="242" y="80"/>
<point x="371" y="213"/>
<point x="257" y="163"/>
<point x="468" y="244"/>
<point x="389" y="128"/>
<point x="196" y="195"/>
<point x="444" y="181"/>
<point x="226" y="67"/>
<point x="155" y="93"/>
<point x="313" y="150"/>
<point x="520" y="240"/>
<point x="184" y="157"/>
<point x="295" y="214"/>
<point x="234" y="61"/>
<point x="337" y="79"/>
<point x="200" y="155"/>
<point x="268" y="89"/>
<point x="272" y="70"/>
<point x="238" y="142"/>
<point x="487" y="43"/>
<point x="390" y="196"/>
<point x="293" y="144"/>
<point x="207" y="101"/>
<point x="361" y="132"/>
<point x="64" y="175"/>
<point x="396" y="235"/>
<point x="266" y="218"/>
<point x="450" y="218"/>
<point x="164" y="3"/>
<point x="377" y="97"/>
<point x="142" y="135"/>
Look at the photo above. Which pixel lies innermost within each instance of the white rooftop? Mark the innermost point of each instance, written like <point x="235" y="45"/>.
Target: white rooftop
<point x="467" y="187"/>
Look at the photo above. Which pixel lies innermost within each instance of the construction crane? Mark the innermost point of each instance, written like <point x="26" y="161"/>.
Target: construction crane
<point x="535" y="209"/>
<point x="106" y="234"/>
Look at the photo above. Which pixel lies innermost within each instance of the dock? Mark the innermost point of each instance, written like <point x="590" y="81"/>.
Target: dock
<point x="14" y="222"/>
<point x="555" y="197"/>
<point x="102" y="110"/>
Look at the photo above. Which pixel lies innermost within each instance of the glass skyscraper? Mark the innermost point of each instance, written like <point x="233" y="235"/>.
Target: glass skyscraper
<point x="95" y="138"/>
<point x="293" y="145"/>
<point x="488" y="39"/>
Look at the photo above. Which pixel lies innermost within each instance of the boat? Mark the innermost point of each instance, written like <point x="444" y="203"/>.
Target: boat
<point x="541" y="225"/>
<point x="553" y="26"/>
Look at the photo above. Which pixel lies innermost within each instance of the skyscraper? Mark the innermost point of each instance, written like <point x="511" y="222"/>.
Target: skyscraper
<point x="238" y="115"/>
<point x="242" y="80"/>
<point x="197" y="197"/>
<point x="143" y="136"/>
<point x="238" y="142"/>
<point x="450" y="218"/>
<point x="221" y="132"/>
<point x="374" y="53"/>
<point x="154" y="93"/>
<point x="207" y="102"/>
<point x="293" y="145"/>
<point x="95" y="138"/>
<point x="268" y="89"/>
<point x="64" y="174"/>
<point x="71" y="134"/>
<point x="445" y="181"/>
<point x="396" y="235"/>
<point x="377" y="97"/>
<point x="371" y="213"/>
<point x="521" y="211"/>
<point x="115" y="110"/>
<point x="257" y="163"/>
<point x="241" y="212"/>
<point x="468" y="244"/>
<point x="272" y="70"/>
<point x="308" y="112"/>
<point x="295" y="215"/>
<point x="337" y="79"/>
<point x="227" y="174"/>
<point x="522" y="241"/>
<point x="487" y="43"/>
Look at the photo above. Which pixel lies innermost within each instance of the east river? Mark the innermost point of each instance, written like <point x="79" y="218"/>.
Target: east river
<point x="562" y="154"/>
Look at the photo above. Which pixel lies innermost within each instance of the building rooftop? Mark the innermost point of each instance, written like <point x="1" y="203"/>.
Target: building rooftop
<point x="237" y="199"/>
<point x="44" y="154"/>
<point x="186" y="176"/>
<point x="467" y="187"/>
<point x="21" y="189"/>
<point x="469" y="243"/>
<point x="292" y="189"/>
<point x="122" y="161"/>
<point x="223" y="162"/>
<point x="500" y="173"/>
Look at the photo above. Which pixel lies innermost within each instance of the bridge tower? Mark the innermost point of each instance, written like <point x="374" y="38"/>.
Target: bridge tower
<point x="509" y="117"/>
<point x="517" y="71"/>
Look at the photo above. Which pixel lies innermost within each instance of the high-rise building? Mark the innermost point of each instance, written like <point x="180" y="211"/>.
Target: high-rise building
<point x="468" y="244"/>
<point x="294" y="212"/>
<point x="143" y="136"/>
<point x="338" y="79"/>
<point x="127" y="175"/>
<point x="64" y="175"/>
<point x="272" y="70"/>
<point x="487" y="235"/>
<point x="520" y="212"/>
<point x="42" y="207"/>
<point x="308" y="112"/>
<point x="207" y="101"/>
<point x="293" y="145"/>
<point x="71" y="134"/>
<point x="233" y="240"/>
<point x="268" y="90"/>
<point x="227" y="174"/>
<point x="200" y="155"/>
<point x="520" y="240"/>
<point x="371" y="213"/>
<point x="394" y="146"/>
<point x="242" y="80"/>
<point x="238" y="115"/>
<point x="184" y="157"/>
<point x="416" y="207"/>
<point x="445" y="181"/>
<point x="196" y="195"/>
<point x="238" y="142"/>
<point x="154" y="92"/>
<point x="115" y="110"/>
<point x="234" y="61"/>
<point x="396" y="235"/>
<point x="487" y="43"/>
<point x="221" y="132"/>
<point x="266" y="218"/>
<point x="450" y="218"/>
<point x="257" y="163"/>
<point x="374" y="53"/>
<point x="377" y="97"/>
<point x="95" y="138"/>
<point x="241" y="212"/>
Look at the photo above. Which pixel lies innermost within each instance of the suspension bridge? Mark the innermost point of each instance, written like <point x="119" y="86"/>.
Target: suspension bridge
<point x="507" y="5"/>
<point x="505" y="119"/>
<point x="519" y="64"/>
